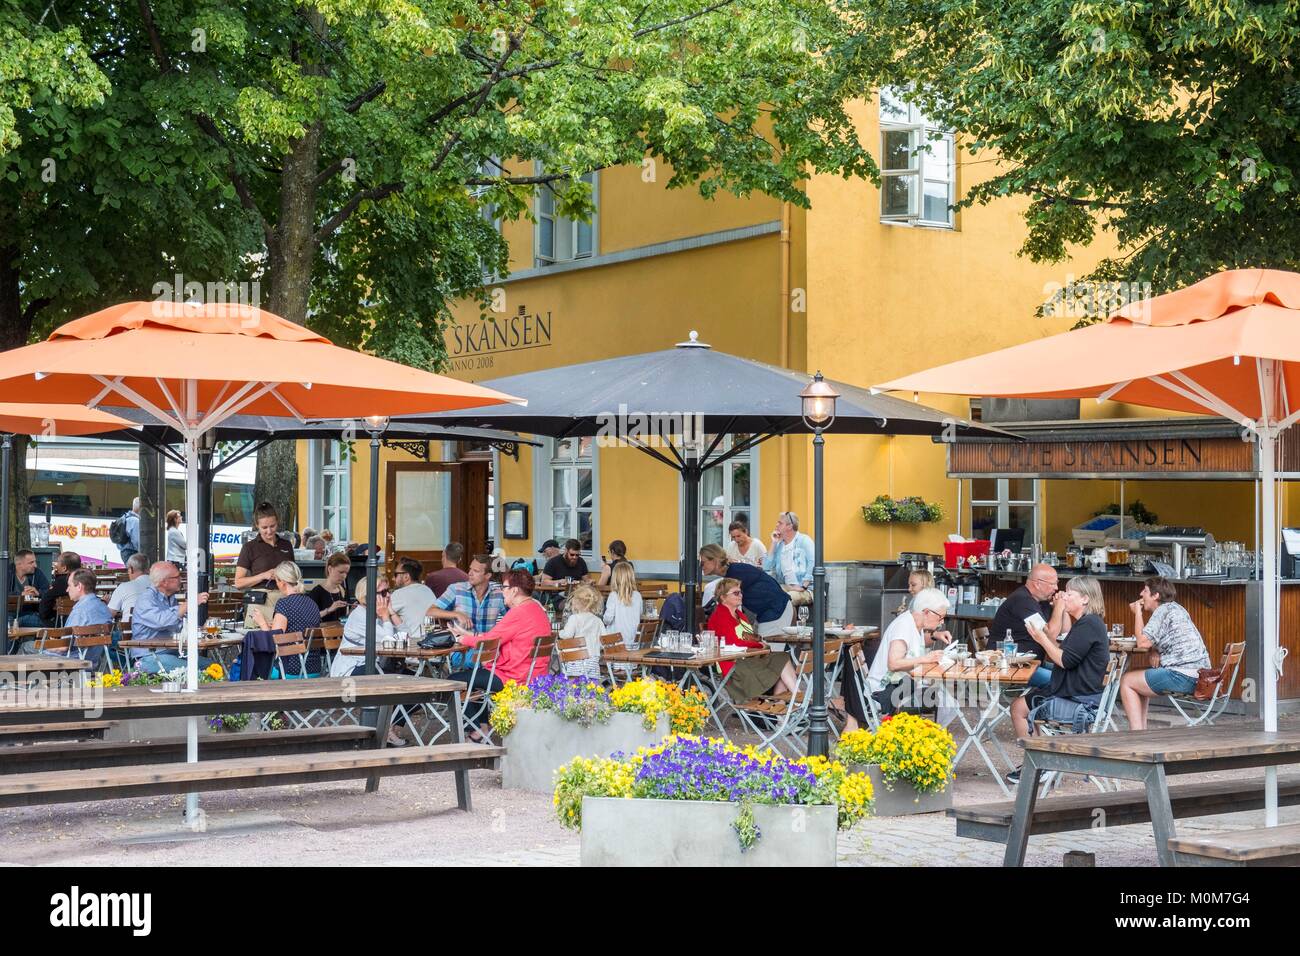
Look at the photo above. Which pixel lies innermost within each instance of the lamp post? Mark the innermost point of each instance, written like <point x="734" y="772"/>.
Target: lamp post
<point x="375" y="425"/>
<point x="818" y="400"/>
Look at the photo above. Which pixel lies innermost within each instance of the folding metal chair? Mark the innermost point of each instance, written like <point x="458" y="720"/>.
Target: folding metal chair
<point x="1206" y="711"/>
<point x="289" y="646"/>
<point x="1054" y="728"/>
<point x="539" y="664"/>
<point x="54" y="640"/>
<point x="477" y="703"/>
<point x="62" y="608"/>
<point x="774" y="718"/>
<point x="856" y="670"/>
<point x="575" y="661"/>
<point x="616" y="672"/>
<point x="94" y="635"/>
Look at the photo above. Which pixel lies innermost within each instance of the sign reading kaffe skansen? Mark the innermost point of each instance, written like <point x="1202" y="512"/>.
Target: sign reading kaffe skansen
<point x="475" y="344"/>
<point x="1169" y="457"/>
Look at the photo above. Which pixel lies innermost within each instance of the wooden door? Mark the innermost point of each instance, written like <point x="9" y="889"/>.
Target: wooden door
<point x="431" y="503"/>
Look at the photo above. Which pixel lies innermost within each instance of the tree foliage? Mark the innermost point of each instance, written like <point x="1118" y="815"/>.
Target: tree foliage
<point x="1174" y="124"/>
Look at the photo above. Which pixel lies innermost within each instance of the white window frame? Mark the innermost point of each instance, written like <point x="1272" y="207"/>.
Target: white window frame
<point x="1004" y="503"/>
<point x="490" y="167"/>
<point x="342" y="471"/>
<point x="547" y="462"/>
<point x="729" y="507"/>
<point x="921" y="132"/>
<point x="561" y="222"/>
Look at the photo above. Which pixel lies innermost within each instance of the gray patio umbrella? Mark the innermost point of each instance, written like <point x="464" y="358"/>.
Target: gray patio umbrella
<point x="255" y="431"/>
<point x="698" y="391"/>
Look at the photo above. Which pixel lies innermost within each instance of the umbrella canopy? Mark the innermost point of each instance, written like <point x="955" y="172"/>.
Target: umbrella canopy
<point x="1228" y="345"/>
<point x="233" y="358"/>
<point x="194" y="366"/>
<point x="734" y="395"/>
<point x="30" y="419"/>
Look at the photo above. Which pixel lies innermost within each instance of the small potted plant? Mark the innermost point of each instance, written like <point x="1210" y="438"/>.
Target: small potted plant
<point x="909" y="760"/>
<point x="910" y="510"/>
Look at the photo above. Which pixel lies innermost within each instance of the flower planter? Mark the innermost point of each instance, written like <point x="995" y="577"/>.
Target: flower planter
<point x="158" y="728"/>
<point x="633" y="832"/>
<point x="543" y="741"/>
<point x="903" y="798"/>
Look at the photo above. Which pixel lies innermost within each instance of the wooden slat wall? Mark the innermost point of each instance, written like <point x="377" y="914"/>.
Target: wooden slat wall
<point x="1218" y="611"/>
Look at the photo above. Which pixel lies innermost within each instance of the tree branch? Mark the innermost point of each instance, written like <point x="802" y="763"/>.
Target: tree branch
<point x="155" y="38"/>
<point x="1048" y="198"/>
<point x="518" y="180"/>
<point x="34" y="306"/>
<point x="375" y="91"/>
<point x="686" y="19"/>
<point x="348" y="208"/>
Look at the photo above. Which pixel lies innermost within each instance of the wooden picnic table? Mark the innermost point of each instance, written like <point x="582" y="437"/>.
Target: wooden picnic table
<point x="1149" y="756"/>
<point x="223" y="697"/>
<point x="41" y="664"/>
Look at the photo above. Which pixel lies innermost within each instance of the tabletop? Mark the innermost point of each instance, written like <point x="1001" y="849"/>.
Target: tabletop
<point x="205" y="643"/>
<point x="41" y="662"/>
<point x="1247" y="744"/>
<point x="413" y="651"/>
<point x="859" y="635"/>
<point x="222" y="697"/>
<point x="646" y="658"/>
<point x="22" y="633"/>
<point x="1016" y="676"/>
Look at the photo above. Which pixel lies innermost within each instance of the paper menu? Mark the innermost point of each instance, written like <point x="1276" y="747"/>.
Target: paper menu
<point x="1035" y="622"/>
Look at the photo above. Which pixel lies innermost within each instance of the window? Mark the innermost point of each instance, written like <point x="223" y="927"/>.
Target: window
<point x="560" y="239"/>
<point x="572" y="491"/>
<point x="331" y="489"/>
<point x="727" y="493"/>
<point x="918" y="165"/>
<point x="1004" y="503"/>
<point x="488" y="169"/>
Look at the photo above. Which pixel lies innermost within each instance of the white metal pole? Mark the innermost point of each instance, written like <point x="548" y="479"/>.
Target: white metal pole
<point x="193" y="551"/>
<point x="1268" y="604"/>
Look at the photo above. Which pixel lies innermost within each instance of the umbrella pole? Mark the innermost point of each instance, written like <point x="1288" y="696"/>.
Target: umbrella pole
<point x="1268" y="605"/>
<point x="194" y="554"/>
<point x="691" y="537"/>
<point x="6" y="452"/>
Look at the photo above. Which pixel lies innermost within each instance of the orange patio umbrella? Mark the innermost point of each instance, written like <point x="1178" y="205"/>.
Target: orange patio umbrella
<point x="47" y="420"/>
<point x="1228" y="345"/>
<point x="192" y="366"/>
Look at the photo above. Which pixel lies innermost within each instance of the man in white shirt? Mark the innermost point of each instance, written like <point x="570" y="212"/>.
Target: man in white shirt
<point x="411" y="597"/>
<point x="125" y="594"/>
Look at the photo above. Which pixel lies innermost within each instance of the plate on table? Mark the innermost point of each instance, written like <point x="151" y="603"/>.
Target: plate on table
<point x="1021" y="660"/>
<point x="842" y="631"/>
<point x="798" y="631"/>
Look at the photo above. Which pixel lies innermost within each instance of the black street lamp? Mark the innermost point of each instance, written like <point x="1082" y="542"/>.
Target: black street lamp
<point x="818" y="413"/>
<point x="375" y="425"/>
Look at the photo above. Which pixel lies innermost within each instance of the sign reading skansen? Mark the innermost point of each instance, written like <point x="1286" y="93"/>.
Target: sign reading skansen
<point x="472" y="345"/>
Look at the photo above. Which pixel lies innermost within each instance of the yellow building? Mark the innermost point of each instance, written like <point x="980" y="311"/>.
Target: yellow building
<point x="865" y="286"/>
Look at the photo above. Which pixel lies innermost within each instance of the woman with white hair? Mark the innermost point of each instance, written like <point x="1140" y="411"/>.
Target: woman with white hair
<point x="901" y="649"/>
<point x="295" y="611"/>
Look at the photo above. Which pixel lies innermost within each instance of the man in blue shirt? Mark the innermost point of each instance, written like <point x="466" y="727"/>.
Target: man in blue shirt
<point x="791" y="557"/>
<point x="132" y="532"/>
<point x="88" y="610"/>
<point x="475" y="604"/>
<point x="157" y="615"/>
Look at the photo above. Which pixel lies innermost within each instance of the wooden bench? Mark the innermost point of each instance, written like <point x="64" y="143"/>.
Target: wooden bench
<point x="50" y="756"/>
<point x="114" y="783"/>
<point x="76" y="730"/>
<point x="1061" y="814"/>
<point x="1260" y="846"/>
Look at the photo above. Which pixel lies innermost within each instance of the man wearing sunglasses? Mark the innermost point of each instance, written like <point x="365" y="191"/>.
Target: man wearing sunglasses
<point x="790" y="559"/>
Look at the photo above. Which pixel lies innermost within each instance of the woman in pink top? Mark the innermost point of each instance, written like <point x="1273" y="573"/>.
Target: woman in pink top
<point x="518" y="629"/>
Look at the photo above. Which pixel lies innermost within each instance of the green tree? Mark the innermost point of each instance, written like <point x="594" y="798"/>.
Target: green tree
<point x="361" y="138"/>
<point x="1175" y="125"/>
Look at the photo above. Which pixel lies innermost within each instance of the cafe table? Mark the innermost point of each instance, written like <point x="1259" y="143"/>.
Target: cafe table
<point x="967" y="686"/>
<point x="222" y="649"/>
<point x="694" y="671"/>
<point x="17" y="668"/>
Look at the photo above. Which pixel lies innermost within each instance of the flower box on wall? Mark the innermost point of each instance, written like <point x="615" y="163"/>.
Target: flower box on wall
<point x="900" y="798"/>
<point x="541" y="741"/>
<point x="637" y="832"/>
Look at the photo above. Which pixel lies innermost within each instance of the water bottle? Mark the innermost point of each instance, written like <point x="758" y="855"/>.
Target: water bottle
<point x="1009" y="644"/>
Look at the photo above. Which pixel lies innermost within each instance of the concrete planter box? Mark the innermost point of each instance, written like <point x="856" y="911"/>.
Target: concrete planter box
<point x="157" y="728"/>
<point x="542" y="742"/>
<point x="903" y="799"/>
<point x="617" y="832"/>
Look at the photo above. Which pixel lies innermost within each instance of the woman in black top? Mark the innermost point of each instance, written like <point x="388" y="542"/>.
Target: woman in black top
<point x="1080" y="661"/>
<point x="617" y="555"/>
<point x="331" y="595"/>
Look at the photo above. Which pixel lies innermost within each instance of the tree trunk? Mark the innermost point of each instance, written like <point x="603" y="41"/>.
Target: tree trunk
<point x="15" y="328"/>
<point x="277" y="481"/>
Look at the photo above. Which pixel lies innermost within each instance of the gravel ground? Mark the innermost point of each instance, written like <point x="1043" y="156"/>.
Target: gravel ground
<point x="414" y="820"/>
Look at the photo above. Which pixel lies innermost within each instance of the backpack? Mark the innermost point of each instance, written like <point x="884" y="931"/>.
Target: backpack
<point x="117" y="532"/>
